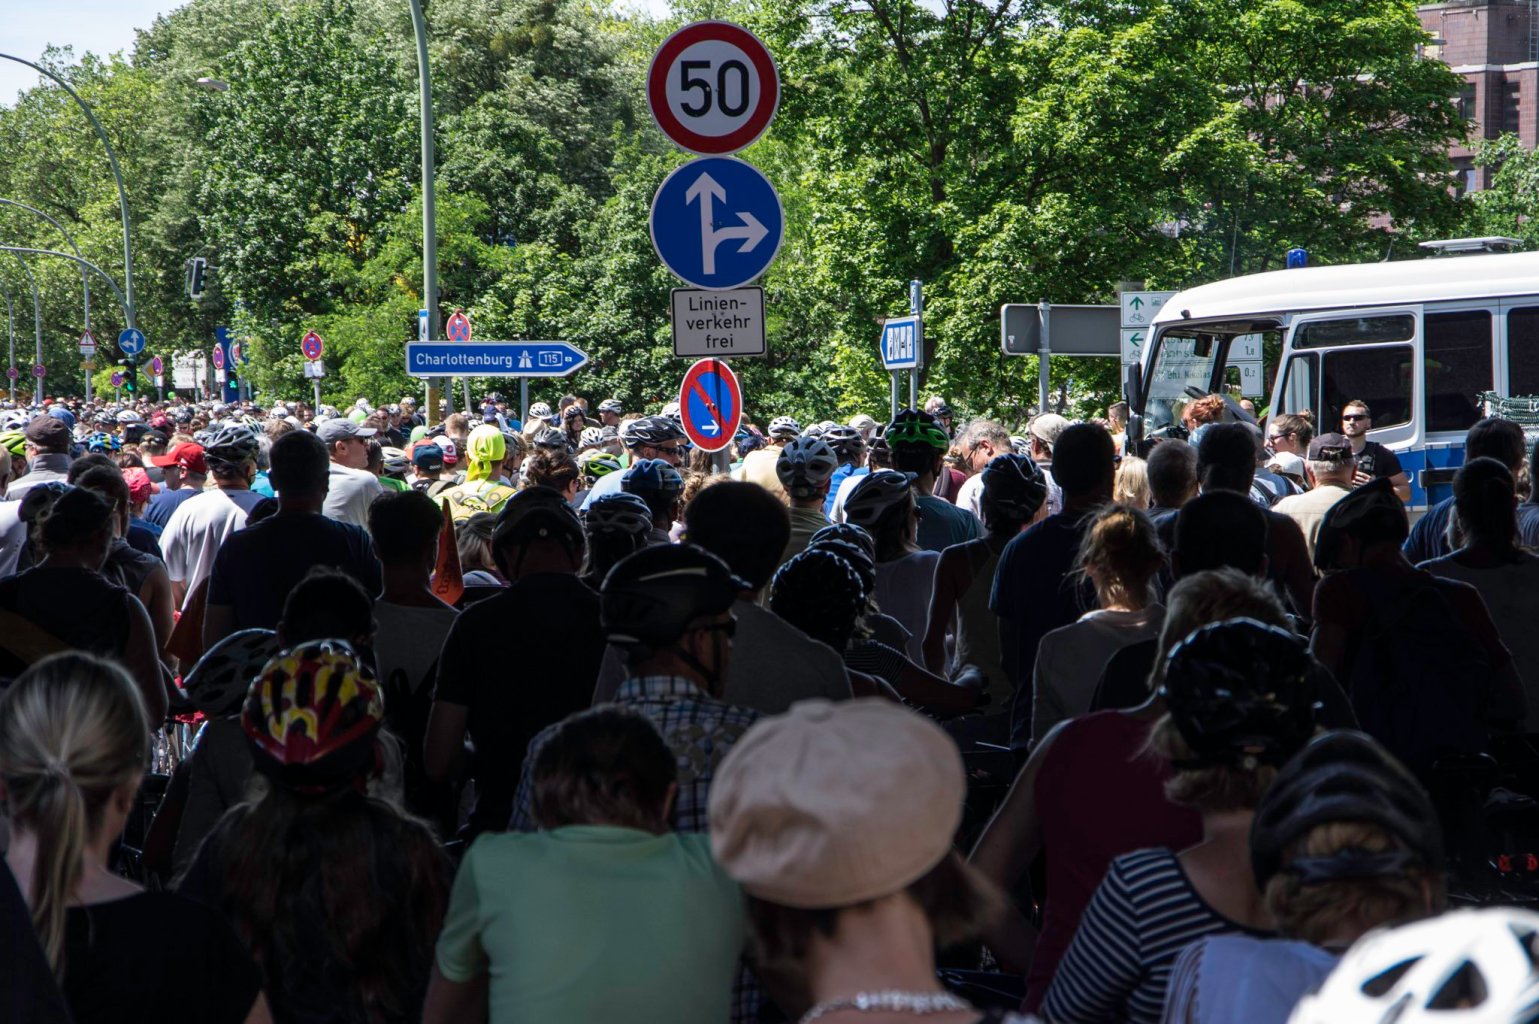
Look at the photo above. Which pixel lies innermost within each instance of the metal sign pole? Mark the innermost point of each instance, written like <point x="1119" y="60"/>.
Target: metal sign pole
<point x="523" y="401"/>
<point x="317" y="383"/>
<point x="916" y="307"/>
<point x="1043" y="355"/>
<point x="893" y="412"/>
<point x="468" y="407"/>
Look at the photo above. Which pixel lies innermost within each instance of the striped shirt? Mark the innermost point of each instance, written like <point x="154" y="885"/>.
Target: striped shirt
<point x="1142" y="915"/>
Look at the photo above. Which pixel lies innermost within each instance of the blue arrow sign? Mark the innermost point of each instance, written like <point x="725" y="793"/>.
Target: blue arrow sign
<point x="717" y="223"/>
<point x="900" y="343"/>
<point x="493" y="359"/>
<point x="131" y="341"/>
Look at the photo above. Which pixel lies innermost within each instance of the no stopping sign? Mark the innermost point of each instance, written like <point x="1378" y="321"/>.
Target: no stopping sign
<point x="713" y="87"/>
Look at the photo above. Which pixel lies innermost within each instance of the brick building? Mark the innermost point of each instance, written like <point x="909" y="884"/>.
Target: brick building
<point x="1494" y="44"/>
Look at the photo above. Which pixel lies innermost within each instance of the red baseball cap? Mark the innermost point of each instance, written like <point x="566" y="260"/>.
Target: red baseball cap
<point x="187" y="455"/>
<point x="140" y="486"/>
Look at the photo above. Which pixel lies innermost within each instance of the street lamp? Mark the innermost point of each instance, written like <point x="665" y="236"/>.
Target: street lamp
<point x="429" y="219"/>
<point x="10" y="322"/>
<point x="212" y="84"/>
<point x="85" y="275"/>
<point x="37" y="313"/>
<point x="127" y="295"/>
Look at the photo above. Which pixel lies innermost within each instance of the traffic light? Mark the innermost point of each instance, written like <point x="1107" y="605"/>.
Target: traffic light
<point x="130" y="367"/>
<point x="197" y="276"/>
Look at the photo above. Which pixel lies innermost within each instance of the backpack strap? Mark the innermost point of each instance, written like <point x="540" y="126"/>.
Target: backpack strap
<point x="26" y="640"/>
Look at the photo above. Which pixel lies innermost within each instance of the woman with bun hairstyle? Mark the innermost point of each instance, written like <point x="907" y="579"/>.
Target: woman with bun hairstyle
<point x="74" y="744"/>
<point x="1120" y="556"/>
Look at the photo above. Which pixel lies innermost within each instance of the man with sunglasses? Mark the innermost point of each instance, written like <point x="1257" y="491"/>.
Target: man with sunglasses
<point x="651" y="437"/>
<point x="1373" y="459"/>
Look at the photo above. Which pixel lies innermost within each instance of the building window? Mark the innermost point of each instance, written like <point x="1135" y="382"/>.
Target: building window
<point x="1466" y="178"/>
<point x="1511" y="105"/>
<point x="1464" y="103"/>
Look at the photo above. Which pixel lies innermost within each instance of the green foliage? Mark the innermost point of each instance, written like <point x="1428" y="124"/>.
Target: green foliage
<point x="999" y="152"/>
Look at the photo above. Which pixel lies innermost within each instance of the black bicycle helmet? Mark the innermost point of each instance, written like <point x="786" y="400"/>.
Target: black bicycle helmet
<point x="1371" y="512"/>
<point x="846" y="442"/>
<point x="652" y="431"/>
<point x="819" y="593"/>
<point x="652" y="478"/>
<point x="1344" y="776"/>
<point x="1240" y="692"/>
<point x="650" y="597"/>
<point x="537" y="513"/>
<point x="849" y="532"/>
<point x="618" y="513"/>
<point x="876" y="497"/>
<point x="552" y="439"/>
<point x="1015" y="485"/>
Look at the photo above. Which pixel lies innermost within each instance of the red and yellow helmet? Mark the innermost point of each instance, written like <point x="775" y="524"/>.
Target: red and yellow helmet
<point x="313" y="715"/>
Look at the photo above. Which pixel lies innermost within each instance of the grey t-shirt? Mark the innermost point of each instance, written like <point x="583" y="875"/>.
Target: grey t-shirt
<point x="349" y="495"/>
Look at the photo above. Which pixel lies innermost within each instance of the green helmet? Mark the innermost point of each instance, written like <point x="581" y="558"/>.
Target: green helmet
<point x="917" y="428"/>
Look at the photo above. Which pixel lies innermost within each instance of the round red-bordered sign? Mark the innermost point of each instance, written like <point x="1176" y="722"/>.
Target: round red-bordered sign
<point x="218" y="357"/>
<point x="312" y="346"/>
<point x="157" y="367"/>
<point x="39" y="371"/>
<point x="710" y="404"/>
<point x="713" y="88"/>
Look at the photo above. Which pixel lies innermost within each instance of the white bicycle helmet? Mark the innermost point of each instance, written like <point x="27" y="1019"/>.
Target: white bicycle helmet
<point x="784" y="427"/>
<point x="805" y="465"/>
<point x="876" y="497"/>
<point x="1465" y="967"/>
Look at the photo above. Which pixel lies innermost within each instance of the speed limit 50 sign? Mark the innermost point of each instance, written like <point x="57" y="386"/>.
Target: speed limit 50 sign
<point x="713" y="88"/>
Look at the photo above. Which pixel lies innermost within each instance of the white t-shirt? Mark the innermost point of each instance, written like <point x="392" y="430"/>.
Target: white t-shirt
<point x="970" y="495"/>
<point x="13" y="536"/>
<point x="904" y="589"/>
<point x="197" y="527"/>
<point x="350" y="494"/>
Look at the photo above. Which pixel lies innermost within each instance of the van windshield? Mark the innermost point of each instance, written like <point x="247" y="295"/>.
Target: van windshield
<point x="1184" y="359"/>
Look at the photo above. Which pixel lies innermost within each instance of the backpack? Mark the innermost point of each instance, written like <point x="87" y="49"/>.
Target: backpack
<point x="1420" y="681"/>
<point x="483" y="496"/>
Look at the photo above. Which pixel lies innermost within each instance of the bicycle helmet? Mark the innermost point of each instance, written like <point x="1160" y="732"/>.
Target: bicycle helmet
<point x="1344" y="777"/>
<point x="652" y="477"/>
<point x="652" y="431"/>
<point x="1015" y="485"/>
<point x="819" y="593"/>
<point x="612" y="405"/>
<point x="104" y="420"/>
<point x="1020" y="445"/>
<point x="919" y="429"/>
<point x="218" y="683"/>
<point x="396" y="462"/>
<point x="650" y="597"/>
<point x="877" y="497"/>
<point x="1464" y="967"/>
<point x="15" y="442"/>
<point x="591" y="437"/>
<point x="313" y="716"/>
<point x="848" y="532"/>
<point x="784" y="428"/>
<point x="1371" y="512"/>
<point x="748" y="440"/>
<point x="815" y="430"/>
<point x="58" y="412"/>
<point x="805" y="466"/>
<point x="857" y="557"/>
<point x="618" y="513"/>
<point x="231" y="446"/>
<point x="103" y="442"/>
<point x="1240" y="693"/>
<point x="599" y="464"/>
<point x="845" y="441"/>
<point x="552" y="439"/>
<point x="537" y="513"/>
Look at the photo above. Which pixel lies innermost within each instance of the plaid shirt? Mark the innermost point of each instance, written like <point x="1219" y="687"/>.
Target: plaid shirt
<point x="699" y="731"/>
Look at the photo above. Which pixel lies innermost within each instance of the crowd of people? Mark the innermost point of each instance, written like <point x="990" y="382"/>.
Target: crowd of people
<point x="368" y="715"/>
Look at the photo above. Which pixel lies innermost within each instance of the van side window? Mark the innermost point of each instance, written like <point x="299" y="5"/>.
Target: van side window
<point x="1523" y="351"/>
<point x="1456" y="349"/>
<point x="1379" y="376"/>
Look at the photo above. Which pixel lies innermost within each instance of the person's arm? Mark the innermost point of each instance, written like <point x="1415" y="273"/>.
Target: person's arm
<point x="142" y="660"/>
<point x="1102" y="966"/>
<point x="1004" y="853"/>
<point x="259" y="1012"/>
<point x="935" y="694"/>
<point x="156" y="596"/>
<point x="443" y="747"/>
<point x="1331" y="639"/>
<point x="942" y="608"/>
<point x="450" y="1002"/>
<point x="218" y="623"/>
<point x="1402" y="485"/>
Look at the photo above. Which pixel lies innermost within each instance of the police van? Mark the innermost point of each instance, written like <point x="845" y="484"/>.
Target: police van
<point x="1422" y="342"/>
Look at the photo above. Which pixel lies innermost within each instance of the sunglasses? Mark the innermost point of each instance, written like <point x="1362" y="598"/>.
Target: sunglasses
<point x="1353" y="417"/>
<point x="1279" y="437"/>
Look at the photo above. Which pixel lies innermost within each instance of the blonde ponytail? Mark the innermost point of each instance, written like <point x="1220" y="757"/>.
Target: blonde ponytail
<point x="72" y="730"/>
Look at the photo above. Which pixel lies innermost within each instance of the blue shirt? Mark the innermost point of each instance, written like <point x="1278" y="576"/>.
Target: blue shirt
<point x="159" y="510"/>
<point x="942" y="524"/>
<point x="843" y="473"/>
<point x="1429" y="537"/>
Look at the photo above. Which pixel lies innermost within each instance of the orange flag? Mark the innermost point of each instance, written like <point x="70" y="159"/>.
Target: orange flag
<point x="448" y="578"/>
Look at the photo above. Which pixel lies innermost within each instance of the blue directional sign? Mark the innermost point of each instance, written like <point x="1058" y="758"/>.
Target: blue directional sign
<point x="492" y="358"/>
<point x="900" y="343"/>
<point x="717" y="223"/>
<point x="131" y="341"/>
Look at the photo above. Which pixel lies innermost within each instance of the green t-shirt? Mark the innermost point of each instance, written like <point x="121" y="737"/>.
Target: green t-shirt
<point x="596" y="923"/>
